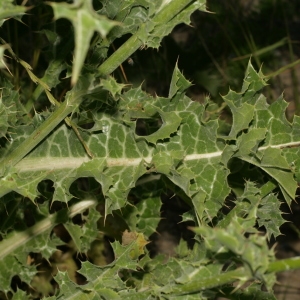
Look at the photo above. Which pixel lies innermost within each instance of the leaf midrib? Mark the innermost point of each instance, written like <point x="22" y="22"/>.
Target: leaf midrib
<point x="67" y="163"/>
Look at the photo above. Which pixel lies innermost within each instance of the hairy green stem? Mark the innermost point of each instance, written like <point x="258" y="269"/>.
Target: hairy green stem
<point x="231" y="276"/>
<point x="135" y="42"/>
<point x="284" y="265"/>
<point x="166" y="14"/>
<point x="211" y="282"/>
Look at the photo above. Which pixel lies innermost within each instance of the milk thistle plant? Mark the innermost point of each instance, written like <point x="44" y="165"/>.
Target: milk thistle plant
<point x="77" y="173"/>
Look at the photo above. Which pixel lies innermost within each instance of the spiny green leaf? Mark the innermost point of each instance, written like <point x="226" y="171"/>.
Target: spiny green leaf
<point x="20" y="295"/>
<point x="178" y="83"/>
<point x="155" y="31"/>
<point x="144" y="216"/>
<point x="271" y="129"/>
<point x="247" y="249"/>
<point x="252" y="205"/>
<point x="112" y="86"/>
<point x="274" y="164"/>
<point x="68" y="288"/>
<point x="270" y="216"/>
<point x="192" y="273"/>
<point x="89" y="230"/>
<point x="248" y="142"/>
<point x="84" y="235"/>
<point x="102" y="277"/>
<point x="85" y="21"/>
<point x="187" y="150"/>
<point x="131" y="13"/>
<point x="242" y="116"/>
<point x="253" y="82"/>
<point x="106" y="280"/>
<point x="14" y="258"/>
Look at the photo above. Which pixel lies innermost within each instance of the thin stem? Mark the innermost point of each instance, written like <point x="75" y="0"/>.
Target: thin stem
<point x="281" y="70"/>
